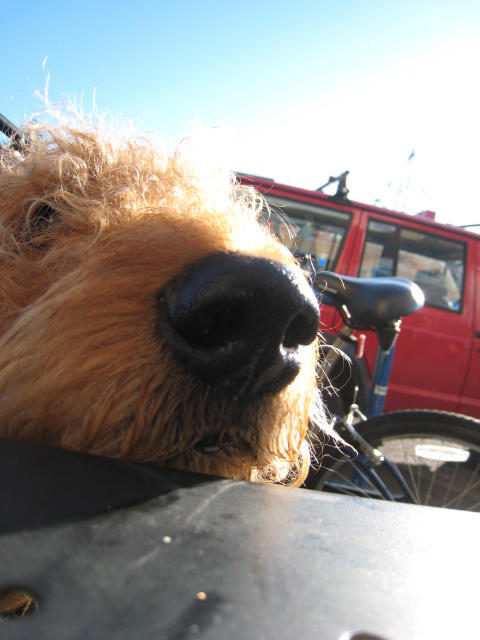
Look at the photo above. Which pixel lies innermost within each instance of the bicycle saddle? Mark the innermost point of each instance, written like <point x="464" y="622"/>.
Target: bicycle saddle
<point x="371" y="302"/>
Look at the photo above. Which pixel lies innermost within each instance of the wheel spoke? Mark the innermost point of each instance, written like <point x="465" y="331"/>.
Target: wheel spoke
<point x="413" y="484"/>
<point x="462" y="494"/>
<point x="345" y="484"/>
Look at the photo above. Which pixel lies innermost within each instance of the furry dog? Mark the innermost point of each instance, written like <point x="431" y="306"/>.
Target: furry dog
<point x="148" y="314"/>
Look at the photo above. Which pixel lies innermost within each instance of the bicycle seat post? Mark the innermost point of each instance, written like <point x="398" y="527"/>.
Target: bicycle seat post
<point x="382" y="370"/>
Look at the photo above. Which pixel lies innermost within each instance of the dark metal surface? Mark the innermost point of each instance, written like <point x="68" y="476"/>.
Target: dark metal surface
<point x="7" y="127"/>
<point x="231" y="560"/>
<point x="44" y="486"/>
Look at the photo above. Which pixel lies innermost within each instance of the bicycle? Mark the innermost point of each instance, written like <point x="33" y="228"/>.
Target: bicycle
<point x="418" y="456"/>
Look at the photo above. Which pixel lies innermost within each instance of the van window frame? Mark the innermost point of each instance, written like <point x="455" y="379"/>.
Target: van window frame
<point x="398" y="228"/>
<point x="316" y="210"/>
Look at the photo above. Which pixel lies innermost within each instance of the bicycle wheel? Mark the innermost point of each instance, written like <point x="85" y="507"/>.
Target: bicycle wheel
<point x="437" y="453"/>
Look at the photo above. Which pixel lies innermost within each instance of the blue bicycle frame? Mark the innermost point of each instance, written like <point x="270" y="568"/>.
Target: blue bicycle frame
<point x="369" y="457"/>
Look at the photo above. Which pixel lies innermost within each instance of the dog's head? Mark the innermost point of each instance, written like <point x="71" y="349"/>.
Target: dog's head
<point x="146" y="315"/>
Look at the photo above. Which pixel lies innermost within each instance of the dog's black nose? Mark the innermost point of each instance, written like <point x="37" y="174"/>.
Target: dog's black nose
<point x="238" y="322"/>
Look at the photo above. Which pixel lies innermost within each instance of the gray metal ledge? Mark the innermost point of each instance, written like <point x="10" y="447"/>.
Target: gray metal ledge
<point x="221" y="559"/>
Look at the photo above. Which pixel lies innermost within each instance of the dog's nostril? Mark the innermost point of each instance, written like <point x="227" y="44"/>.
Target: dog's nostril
<point x="301" y="330"/>
<point x="217" y="327"/>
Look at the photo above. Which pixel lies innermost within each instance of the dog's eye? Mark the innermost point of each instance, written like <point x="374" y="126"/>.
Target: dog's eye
<point x="42" y="218"/>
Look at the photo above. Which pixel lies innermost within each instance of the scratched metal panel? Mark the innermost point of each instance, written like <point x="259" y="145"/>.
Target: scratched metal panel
<point x="231" y="560"/>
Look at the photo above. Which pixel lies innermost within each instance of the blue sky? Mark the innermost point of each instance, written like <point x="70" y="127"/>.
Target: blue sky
<point x="302" y="90"/>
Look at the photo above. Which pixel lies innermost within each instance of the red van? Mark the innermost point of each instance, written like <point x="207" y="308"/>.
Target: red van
<point x="437" y="360"/>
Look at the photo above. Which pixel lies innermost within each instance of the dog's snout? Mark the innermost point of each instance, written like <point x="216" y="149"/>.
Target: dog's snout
<point x="239" y="322"/>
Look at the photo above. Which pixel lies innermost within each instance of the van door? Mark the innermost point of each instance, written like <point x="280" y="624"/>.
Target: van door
<point x="433" y="349"/>
<point x="470" y="400"/>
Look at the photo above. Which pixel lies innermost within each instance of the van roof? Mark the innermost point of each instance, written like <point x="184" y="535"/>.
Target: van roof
<point x="424" y="218"/>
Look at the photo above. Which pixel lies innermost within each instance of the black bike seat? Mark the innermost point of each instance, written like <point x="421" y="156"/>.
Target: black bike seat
<point x="371" y="302"/>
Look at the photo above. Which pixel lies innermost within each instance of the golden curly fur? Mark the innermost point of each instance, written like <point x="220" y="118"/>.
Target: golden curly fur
<point x="93" y="225"/>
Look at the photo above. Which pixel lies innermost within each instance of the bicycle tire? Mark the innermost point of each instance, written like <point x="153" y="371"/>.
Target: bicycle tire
<point x="437" y="453"/>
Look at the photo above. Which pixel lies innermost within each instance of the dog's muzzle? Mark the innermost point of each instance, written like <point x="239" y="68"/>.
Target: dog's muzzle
<point x="239" y="322"/>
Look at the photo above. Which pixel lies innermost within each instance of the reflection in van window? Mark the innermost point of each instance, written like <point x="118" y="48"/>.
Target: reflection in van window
<point x="436" y="264"/>
<point x="313" y="234"/>
<point x="379" y="251"/>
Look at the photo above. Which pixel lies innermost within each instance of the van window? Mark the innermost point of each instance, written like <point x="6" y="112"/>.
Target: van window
<point x="435" y="263"/>
<point x="313" y="234"/>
